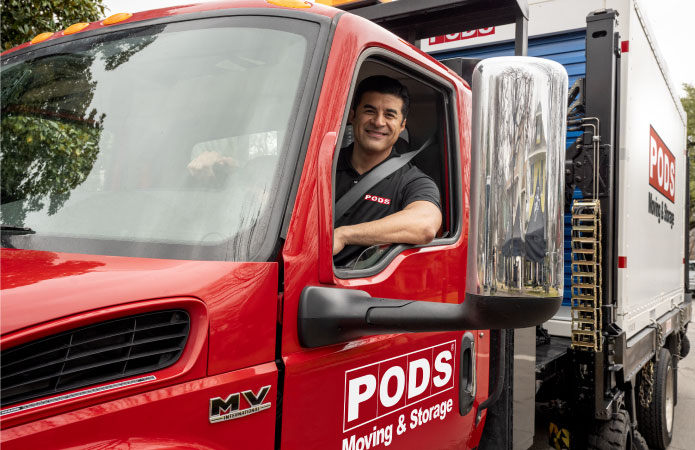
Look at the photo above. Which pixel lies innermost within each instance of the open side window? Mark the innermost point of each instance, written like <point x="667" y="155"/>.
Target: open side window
<point x="430" y="117"/>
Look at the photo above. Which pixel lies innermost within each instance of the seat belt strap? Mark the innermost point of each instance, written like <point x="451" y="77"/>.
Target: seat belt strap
<point x="377" y="174"/>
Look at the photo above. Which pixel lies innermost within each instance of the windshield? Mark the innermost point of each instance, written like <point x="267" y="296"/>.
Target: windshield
<point x="166" y="141"/>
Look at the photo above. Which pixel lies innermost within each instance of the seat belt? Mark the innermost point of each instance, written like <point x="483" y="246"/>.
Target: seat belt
<point x="375" y="176"/>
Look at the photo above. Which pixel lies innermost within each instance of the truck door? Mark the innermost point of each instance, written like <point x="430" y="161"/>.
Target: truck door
<point x="399" y="390"/>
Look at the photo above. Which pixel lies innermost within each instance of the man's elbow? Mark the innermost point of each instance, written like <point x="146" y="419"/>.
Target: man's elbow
<point x="426" y="223"/>
<point x="427" y="234"/>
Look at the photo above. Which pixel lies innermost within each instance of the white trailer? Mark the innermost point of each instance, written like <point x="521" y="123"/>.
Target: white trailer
<point x="611" y="353"/>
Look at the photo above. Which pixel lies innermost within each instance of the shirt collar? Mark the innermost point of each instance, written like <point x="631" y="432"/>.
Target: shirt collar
<point x="345" y="158"/>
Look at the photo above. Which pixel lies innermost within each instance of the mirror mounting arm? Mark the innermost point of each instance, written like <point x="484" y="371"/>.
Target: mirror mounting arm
<point x="332" y="315"/>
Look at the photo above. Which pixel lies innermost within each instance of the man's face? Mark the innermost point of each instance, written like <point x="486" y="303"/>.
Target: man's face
<point x="377" y="121"/>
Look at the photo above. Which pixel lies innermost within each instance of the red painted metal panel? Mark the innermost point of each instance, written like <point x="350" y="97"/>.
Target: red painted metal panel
<point x="243" y="315"/>
<point x="317" y="383"/>
<point x="175" y="417"/>
<point x="191" y="364"/>
<point x="232" y="306"/>
<point x="316" y="380"/>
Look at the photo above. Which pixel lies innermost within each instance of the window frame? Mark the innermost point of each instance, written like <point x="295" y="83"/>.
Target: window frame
<point x="448" y="142"/>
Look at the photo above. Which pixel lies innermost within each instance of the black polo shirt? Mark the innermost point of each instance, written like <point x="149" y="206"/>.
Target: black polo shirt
<point x="403" y="187"/>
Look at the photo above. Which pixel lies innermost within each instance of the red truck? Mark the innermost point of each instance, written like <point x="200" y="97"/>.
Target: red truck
<point x="146" y="306"/>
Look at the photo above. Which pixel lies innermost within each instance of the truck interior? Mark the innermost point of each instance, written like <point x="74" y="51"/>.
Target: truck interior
<point x="427" y="117"/>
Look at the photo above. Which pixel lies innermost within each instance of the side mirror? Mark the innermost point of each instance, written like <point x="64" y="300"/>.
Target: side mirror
<point x="515" y="246"/>
<point x="515" y="258"/>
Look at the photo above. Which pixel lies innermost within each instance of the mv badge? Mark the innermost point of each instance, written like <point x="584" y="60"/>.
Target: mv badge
<point x="229" y="408"/>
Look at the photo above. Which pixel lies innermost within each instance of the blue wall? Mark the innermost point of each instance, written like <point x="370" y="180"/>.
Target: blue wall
<point x="569" y="49"/>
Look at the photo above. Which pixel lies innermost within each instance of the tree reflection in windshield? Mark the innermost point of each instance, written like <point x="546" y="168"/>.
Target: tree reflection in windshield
<point x="50" y="133"/>
<point x="166" y="141"/>
<point x="50" y="139"/>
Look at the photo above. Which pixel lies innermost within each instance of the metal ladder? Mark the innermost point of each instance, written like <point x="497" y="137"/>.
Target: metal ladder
<point x="586" y="275"/>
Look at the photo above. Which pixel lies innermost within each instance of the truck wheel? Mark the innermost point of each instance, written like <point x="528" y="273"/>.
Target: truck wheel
<point x="613" y="434"/>
<point x="638" y="442"/>
<point x="656" y="421"/>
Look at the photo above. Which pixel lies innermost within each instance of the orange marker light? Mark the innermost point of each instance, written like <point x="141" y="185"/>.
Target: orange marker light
<point x="41" y="37"/>
<point x="337" y="3"/>
<point x="290" y="3"/>
<point x="120" y="17"/>
<point x="75" y="28"/>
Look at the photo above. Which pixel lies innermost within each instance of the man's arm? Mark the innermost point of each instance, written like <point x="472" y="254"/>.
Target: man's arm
<point x="417" y="223"/>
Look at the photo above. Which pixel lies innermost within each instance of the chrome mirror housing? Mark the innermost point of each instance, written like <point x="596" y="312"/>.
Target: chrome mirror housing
<point x="517" y="180"/>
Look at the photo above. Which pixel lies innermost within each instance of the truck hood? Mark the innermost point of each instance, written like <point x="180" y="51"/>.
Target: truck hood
<point x="39" y="287"/>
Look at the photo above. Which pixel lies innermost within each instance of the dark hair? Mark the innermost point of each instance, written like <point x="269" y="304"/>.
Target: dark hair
<point x="383" y="85"/>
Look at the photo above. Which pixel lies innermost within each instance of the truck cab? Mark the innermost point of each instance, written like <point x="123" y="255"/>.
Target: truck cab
<point x="150" y="300"/>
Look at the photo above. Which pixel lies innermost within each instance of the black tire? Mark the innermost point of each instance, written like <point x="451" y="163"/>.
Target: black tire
<point x="656" y="421"/>
<point x="614" y="434"/>
<point x="685" y="346"/>
<point x="638" y="442"/>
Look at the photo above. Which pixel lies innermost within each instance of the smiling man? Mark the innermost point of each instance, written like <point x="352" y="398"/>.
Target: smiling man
<point x="403" y="208"/>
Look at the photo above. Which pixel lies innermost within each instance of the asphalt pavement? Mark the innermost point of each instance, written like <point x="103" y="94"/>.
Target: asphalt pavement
<point x="684" y="427"/>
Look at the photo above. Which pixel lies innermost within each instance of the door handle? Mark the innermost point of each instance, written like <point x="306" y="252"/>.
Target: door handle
<point x="467" y="374"/>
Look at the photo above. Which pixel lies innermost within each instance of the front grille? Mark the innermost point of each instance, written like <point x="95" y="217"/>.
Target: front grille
<point x="94" y="354"/>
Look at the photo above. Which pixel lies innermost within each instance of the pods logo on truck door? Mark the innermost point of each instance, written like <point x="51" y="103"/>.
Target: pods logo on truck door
<point x="384" y="387"/>
<point x="662" y="166"/>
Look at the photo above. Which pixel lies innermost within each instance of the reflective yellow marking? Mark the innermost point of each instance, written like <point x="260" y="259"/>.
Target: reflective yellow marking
<point x="559" y="437"/>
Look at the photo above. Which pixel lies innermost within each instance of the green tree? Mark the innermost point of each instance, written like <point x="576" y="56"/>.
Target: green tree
<point x="689" y="106"/>
<point x="24" y="19"/>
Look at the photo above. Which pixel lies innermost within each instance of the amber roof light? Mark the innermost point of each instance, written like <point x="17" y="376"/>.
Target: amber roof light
<point x="75" y="28"/>
<point x="41" y="37"/>
<point x="290" y="3"/>
<point x="116" y="18"/>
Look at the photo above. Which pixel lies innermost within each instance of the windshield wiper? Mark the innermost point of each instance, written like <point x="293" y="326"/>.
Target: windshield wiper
<point x="10" y="229"/>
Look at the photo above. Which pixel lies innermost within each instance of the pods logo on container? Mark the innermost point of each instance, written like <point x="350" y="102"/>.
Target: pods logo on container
<point x="662" y="166"/>
<point x="384" y="387"/>
<point x="461" y="36"/>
